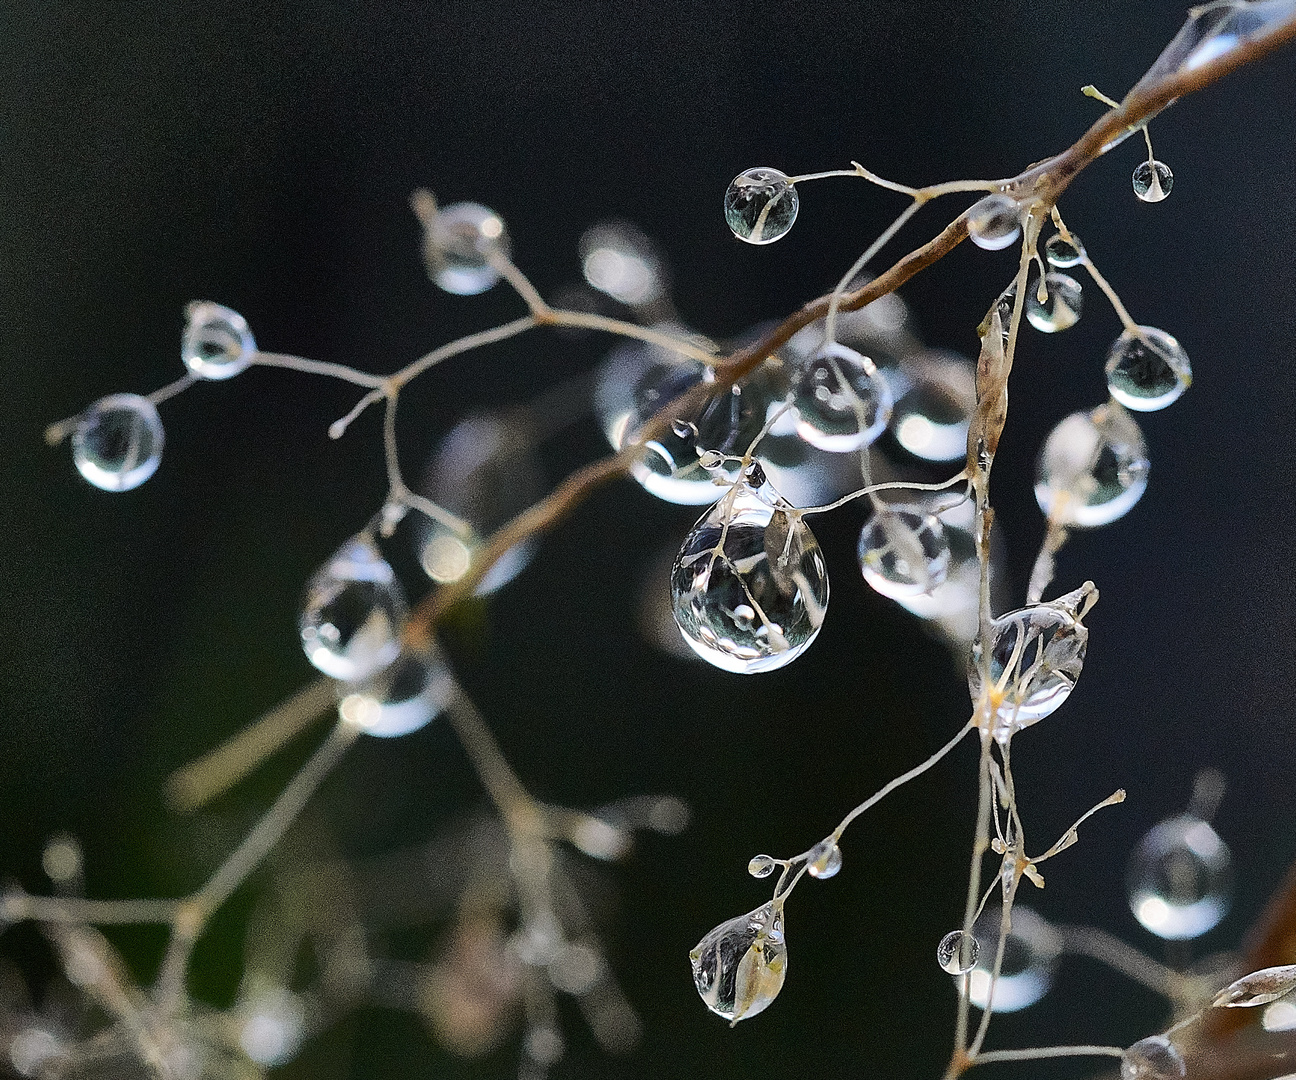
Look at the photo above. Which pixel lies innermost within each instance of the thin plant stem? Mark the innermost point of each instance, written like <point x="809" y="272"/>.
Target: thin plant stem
<point x="1036" y="1053"/>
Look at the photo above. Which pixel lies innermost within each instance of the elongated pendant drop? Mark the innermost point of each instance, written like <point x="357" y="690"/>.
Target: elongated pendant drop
<point x="738" y="968"/>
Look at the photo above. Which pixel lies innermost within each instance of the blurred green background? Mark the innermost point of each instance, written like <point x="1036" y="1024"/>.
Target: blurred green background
<point x="262" y="156"/>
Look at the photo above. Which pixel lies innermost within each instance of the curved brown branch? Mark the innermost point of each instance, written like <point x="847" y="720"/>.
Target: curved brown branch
<point x="1041" y="184"/>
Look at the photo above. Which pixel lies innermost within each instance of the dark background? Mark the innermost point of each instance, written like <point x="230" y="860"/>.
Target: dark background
<point x="262" y="156"/>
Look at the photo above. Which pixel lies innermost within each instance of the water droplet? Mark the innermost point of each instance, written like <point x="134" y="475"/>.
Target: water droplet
<point x="458" y="243"/>
<point x="1153" y="1058"/>
<point x="1092" y="468"/>
<point x="217" y="343"/>
<point x="1180" y="878"/>
<point x="1147" y="369"/>
<point x="761" y="866"/>
<point x="1036" y="655"/>
<point x="1061" y="307"/>
<point x="842" y="401"/>
<point x="1152" y="180"/>
<point x="406" y="695"/>
<point x="1258" y="988"/>
<point x="1030" y="956"/>
<point x="619" y="260"/>
<point x="738" y="968"/>
<point x="273" y="1026"/>
<point x="117" y="442"/>
<point x="352" y="613"/>
<point x="1213" y="30"/>
<point x="485" y="470"/>
<point x="957" y="952"/>
<point x="749" y="588"/>
<point x="1062" y="254"/>
<point x="761" y="205"/>
<point x="935" y="394"/>
<point x="1280" y="1016"/>
<point x="825" y="860"/>
<point x="994" y="222"/>
<point x="903" y="551"/>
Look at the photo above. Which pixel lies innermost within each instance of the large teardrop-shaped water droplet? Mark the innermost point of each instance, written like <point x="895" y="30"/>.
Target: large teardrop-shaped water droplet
<point x="117" y="442"/>
<point x="842" y="401"/>
<point x="1030" y="956"/>
<point x="217" y="343"/>
<point x="352" y="613"/>
<point x="1180" y="878"/>
<point x="739" y="967"/>
<point x="1092" y="468"/>
<point x="903" y="551"/>
<point x="1036" y="655"/>
<point x="404" y="696"/>
<point x="1147" y="369"/>
<point x="749" y="588"/>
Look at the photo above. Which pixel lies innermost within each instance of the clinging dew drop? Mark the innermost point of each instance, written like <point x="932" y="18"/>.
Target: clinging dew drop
<point x="1092" y="468"/>
<point x="903" y="551"/>
<point x="1147" y="369"/>
<point x="825" y="860"/>
<point x="1153" y="1058"/>
<point x="842" y="401"/>
<point x="352" y="613"/>
<point x="1061" y="307"/>
<point x="1152" y="180"/>
<point x="994" y="222"/>
<point x="761" y="205"/>
<point x="957" y="952"/>
<point x="761" y="866"/>
<point x="117" y="442"/>
<point x="738" y="968"/>
<point x="749" y="588"/>
<point x="217" y="343"/>
<point x="459" y="241"/>
<point x="1030" y="958"/>
<point x="1061" y="253"/>
<point x="1180" y="878"/>
<point x="400" y="698"/>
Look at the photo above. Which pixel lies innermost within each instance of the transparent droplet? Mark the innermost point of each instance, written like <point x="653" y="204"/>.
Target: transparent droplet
<point x="761" y="866"/>
<point x="994" y="222"/>
<point x="1152" y="180"/>
<point x="738" y="968"/>
<point x="1216" y="29"/>
<point x="1147" y="369"/>
<point x="634" y="383"/>
<point x="273" y="1026"/>
<point x="935" y="395"/>
<point x="1180" y="878"/>
<point x="1153" y="1058"/>
<point x="1258" y="988"/>
<point x="352" y="613"/>
<point x="749" y="588"/>
<point x="619" y="260"/>
<point x="1061" y="307"/>
<point x="485" y="471"/>
<point x="1062" y="254"/>
<point x="1036" y="655"/>
<point x="406" y="695"/>
<point x="458" y="243"/>
<point x="903" y="551"/>
<point x="825" y="860"/>
<point x="1030" y="956"/>
<point x="117" y="442"/>
<point x="842" y="401"/>
<point x="957" y="952"/>
<point x="1092" y="468"/>
<point x="761" y="205"/>
<point x="217" y="343"/>
<point x="62" y="860"/>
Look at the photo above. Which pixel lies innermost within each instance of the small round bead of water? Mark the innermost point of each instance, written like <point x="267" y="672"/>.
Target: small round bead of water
<point x="1152" y="180"/>
<point x="761" y="205"/>
<point x="117" y="442"/>
<point x="994" y="222"/>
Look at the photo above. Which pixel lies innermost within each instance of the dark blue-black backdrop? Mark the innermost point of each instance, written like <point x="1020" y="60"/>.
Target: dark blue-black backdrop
<point x="262" y="155"/>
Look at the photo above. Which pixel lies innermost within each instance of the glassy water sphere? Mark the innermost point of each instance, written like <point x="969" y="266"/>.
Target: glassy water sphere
<point x="458" y="244"/>
<point x="1030" y="959"/>
<point x="1152" y="180"/>
<point x="1147" y="369"/>
<point x="842" y="401"/>
<point x="761" y="205"/>
<point x="117" y="442"/>
<point x="403" y="697"/>
<point x="738" y="968"/>
<point x="1062" y="254"/>
<point x="619" y="260"/>
<point x="352" y="613"/>
<point x="1063" y="302"/>
<point x="935" y="396"/>
<point x="994" y="222"/>
<point x="1036" y="655"/>
<point x="903" y="551"/>
<point x="1153" y="1058"/>
<point x="749" y="588"/>
<point x="825" y="860"/>
<point x="217" y="343"/>
<point x="1092" y="468"/>
<point x="1180" y="878"/>
<point x="957" y="952"/>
